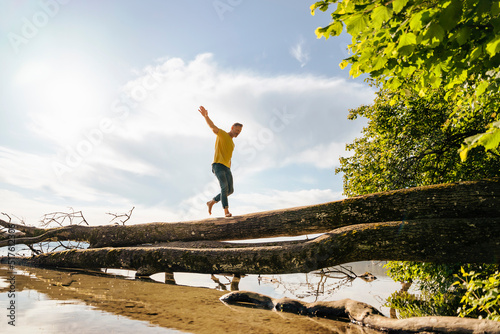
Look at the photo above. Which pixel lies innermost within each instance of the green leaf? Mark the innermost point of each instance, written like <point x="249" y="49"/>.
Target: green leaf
<point x="493" y="46"/>
<point x="336" y="28"/>
<point x="319" y="32"/>
<point x="407" y="39"/>
<point x="322" y="5"/>
<point x="419" y="20"/>
<point x="389" y="49"/>
<point x="356" y="23"/>
<point x="398" y="5"/>
<point x="462" y="36"/>
<point x="313" y="7"/>
<point x="476" y="53"/>
<point x="495" y="22"/>
<point x="489" y="140"/>
<point x="434" y="35"/>
<point x="482" y="7"/>
<point x="379" y="64"/>
<point x="416" y="22"/>
<point x="450" y="16"/>
<point x="495" y="8"/>
<point x="355" y="70"/>
<point x="408" y="71"/>
<point x="481" y="88"/>
<point x="380" y="15"/>
<point x="344" y="64"/>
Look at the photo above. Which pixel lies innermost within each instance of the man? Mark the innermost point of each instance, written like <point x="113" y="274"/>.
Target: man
<point x="221" y="166"/>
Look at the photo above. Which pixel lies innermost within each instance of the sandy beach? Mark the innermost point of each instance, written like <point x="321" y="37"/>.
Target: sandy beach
<point x="188" y="309"/>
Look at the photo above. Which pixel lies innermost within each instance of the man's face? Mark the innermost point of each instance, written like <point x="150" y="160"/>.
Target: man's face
<point x="235" y="130"/>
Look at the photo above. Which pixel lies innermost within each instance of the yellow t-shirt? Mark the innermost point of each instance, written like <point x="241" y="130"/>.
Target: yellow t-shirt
<point x="224" y="147"/>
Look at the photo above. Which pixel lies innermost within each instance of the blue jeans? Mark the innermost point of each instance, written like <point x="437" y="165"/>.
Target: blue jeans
<point x="225" y="178"/>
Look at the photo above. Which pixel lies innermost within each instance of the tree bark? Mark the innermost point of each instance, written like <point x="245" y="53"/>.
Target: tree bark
<point x="474" y="199"/>
<point x="363" y="314"/>
<point x="434" y="240"/>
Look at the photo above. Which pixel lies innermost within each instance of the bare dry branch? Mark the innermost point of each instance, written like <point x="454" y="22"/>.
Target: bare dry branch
<point x="117" y="216"/>
<point x="59" y="218"/>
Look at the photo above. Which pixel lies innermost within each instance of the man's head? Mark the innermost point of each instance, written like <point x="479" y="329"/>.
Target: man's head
<point x="235" y="130"/>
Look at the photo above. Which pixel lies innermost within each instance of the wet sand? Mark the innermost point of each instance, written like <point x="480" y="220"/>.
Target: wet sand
<point x="189" y="309"/>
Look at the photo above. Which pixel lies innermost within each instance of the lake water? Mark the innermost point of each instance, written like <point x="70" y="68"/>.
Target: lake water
<point x="37" y="313"/>
<point x="309" y="287"/>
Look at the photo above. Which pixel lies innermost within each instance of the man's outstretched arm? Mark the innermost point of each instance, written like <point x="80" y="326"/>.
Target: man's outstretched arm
<point x="204" y="113"/>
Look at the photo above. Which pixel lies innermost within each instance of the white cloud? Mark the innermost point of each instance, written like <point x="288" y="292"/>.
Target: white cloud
<point x="33" y="172"/>
<point x="299" y="53"/>
<point x="268" y="199"/>
<point x="287" y="119"/>
<point x="321" y="156"/>
<point x="150" y="148"/>
<point x="274" y="199"/>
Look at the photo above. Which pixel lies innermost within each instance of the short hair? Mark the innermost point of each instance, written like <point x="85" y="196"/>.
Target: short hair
<point x="238" y="124"/>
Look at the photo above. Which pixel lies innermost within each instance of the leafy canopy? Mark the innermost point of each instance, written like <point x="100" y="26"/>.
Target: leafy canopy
<point x="412" y="143"/>
<point x="418" y="46"/>
<point x="437" y="63"/>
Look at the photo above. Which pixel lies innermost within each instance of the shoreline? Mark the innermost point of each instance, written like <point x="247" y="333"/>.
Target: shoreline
<point x="188" y="309"/>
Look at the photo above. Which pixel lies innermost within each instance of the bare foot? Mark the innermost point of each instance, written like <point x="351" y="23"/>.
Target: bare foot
<point x="210" y="204"/>
<point x="229" y="215"/>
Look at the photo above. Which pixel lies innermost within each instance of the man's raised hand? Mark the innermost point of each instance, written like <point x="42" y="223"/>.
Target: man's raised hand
<point x="203" y="111"/>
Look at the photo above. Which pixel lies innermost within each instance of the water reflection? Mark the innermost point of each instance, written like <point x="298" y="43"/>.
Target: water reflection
<point x="365" y="281"/>
<point x="53" y="301"/>
<point x="324" y="282"/>
<point x="233" y="283"/>
<point x="34" y="311"/>
<point x="38" y="313"/>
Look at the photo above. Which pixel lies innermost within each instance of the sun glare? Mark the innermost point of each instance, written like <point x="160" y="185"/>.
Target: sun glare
<point x="65" y="97"/>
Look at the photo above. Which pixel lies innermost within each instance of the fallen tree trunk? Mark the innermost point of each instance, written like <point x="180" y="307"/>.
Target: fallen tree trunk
<point x="444" y="223"/>
<point x="434" y="240"/>
<point x="363" y="314"/>
<point x="474" y="199"/>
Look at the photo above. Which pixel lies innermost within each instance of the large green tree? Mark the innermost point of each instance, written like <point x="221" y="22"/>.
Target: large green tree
<point x="412" y="143"/>
<point x="416" y="46"/>
<point x="437" y="64"/>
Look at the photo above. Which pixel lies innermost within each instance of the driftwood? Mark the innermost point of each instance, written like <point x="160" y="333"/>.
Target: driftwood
<point x="362" y="314"/>
<point x="475" y="199"/>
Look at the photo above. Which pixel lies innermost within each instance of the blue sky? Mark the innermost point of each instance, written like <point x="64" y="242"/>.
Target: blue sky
<point x="99" y="106"/>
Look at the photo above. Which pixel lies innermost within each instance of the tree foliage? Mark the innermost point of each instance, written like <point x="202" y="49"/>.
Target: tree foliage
<point x="482" y="294"/>
<point x="412" y="143"/>
<point x="433" y="282"/>
<point x="437" y="63"/>
<point x="415" y="47"/>
<point x="470" y="290"/>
